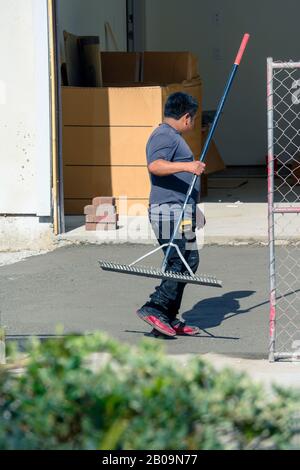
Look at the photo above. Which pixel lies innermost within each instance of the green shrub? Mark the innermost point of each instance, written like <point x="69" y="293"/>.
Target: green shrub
<point x="138" y="399"/>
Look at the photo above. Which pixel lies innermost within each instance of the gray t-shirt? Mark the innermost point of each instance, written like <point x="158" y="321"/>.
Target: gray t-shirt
<point x="166" y="143"/>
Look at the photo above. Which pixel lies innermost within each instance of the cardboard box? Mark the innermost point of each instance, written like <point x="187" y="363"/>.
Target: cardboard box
<point x="159" y="68"/>
<point x="111" y="159"/>
<point x="106" y="131"/>
<point x="112" y="107"/>
<point x="213" y="159"/>
<point x="105" y="136"/>
<point x="83" y="60"/>
<point x="204" y="186"/>
<point x="129" y="107"/>
<point x="83" y="182"/>
<point x="104" y="146"/>
<point x="168" y="67"/>
<point x="73" y="60"/>
<point x="91" y="61"/>
<point x="121" y="67"/>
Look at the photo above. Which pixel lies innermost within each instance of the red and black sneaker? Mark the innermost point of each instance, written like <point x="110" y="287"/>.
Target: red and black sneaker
<point x="157" y="320"/>
<point x="182" y="329"/>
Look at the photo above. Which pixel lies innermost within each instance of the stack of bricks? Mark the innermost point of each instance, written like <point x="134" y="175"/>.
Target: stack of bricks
<point x="101" y="215"/>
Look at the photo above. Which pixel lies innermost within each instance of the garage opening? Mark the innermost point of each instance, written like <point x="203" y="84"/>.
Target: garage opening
<point x="114" y="83"/>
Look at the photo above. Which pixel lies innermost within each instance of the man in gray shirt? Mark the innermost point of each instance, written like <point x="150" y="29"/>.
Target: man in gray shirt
<point x="172" y="167"/>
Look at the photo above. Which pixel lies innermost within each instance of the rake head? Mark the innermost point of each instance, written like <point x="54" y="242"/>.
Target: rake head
<point x="202" y="280"/>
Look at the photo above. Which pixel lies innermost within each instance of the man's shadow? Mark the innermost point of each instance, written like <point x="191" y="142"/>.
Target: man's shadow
<point x="210" y="313"/>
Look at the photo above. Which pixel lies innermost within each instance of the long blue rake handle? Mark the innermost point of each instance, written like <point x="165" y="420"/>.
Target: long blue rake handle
<point x="208" y="141"/>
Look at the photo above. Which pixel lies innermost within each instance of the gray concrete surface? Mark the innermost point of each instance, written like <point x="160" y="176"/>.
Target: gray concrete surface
<point x="282" y="374"/>
<point x="66" y="287"/>
<point x="7" y="258"/>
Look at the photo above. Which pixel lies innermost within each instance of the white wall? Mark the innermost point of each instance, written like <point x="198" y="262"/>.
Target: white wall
<point x="87" y="18"/>
<point x="212" y="30"/>
<point x="25" y="178"/>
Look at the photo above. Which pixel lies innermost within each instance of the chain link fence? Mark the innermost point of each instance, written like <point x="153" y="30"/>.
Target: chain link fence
<point x="284" y="208"/>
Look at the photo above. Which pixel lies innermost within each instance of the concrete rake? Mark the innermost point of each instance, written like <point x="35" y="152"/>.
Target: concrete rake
<point x="146" y="271"/>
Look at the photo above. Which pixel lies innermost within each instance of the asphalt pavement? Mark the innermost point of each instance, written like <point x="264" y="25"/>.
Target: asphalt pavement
<point x="66" y="287"/>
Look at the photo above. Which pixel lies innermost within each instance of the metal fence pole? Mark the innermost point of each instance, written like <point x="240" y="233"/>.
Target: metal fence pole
<point x="270" y="210"/>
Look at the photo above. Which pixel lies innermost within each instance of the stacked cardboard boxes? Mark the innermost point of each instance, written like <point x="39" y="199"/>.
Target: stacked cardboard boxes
<point x="105" y="130"/>
<point x="101" y="215"/>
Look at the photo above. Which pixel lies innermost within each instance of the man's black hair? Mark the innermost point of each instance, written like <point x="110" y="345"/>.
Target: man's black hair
<point x="179" y="104"/>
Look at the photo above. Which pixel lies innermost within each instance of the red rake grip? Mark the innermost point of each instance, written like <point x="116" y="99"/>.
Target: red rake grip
<point x="242" y="49"/>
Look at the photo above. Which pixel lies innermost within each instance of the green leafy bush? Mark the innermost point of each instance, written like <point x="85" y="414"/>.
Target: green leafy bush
<point x="136" y="399"/>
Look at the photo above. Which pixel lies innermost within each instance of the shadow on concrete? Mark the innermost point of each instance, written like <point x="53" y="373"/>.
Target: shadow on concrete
<point x="163" y="337"/>
<point x="210" y="313"/>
